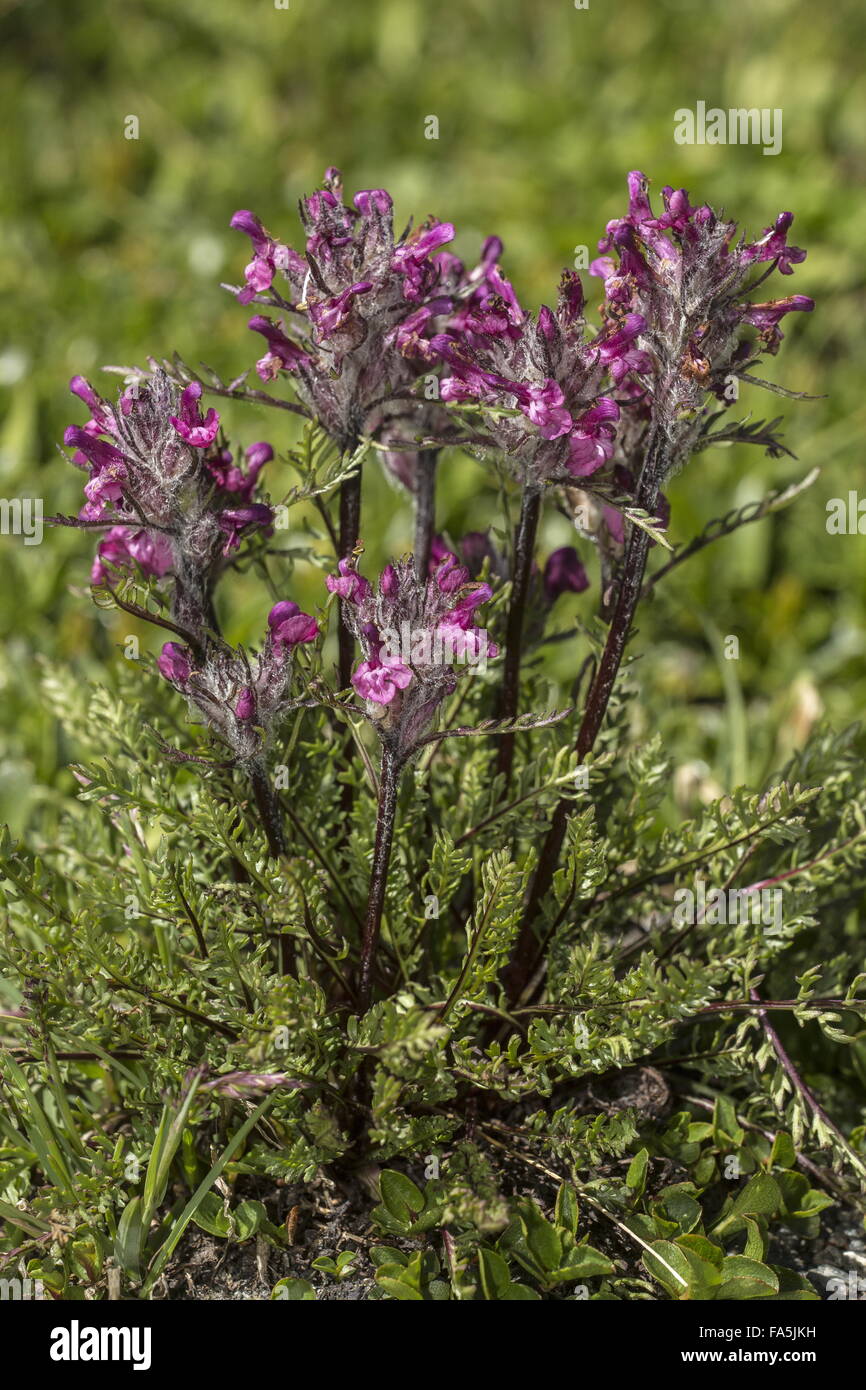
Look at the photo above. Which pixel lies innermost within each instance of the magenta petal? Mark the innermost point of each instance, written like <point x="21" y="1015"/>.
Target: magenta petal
<point x="174" y="664"/>
<point x="281" y="612"/>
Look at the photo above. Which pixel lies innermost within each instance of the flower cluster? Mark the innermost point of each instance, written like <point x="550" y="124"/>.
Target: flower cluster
<point x="361" y="320"/>
<point x="356" y="304"/>
<point x="242" y="699"/>
<point x="176" y="503"/>
<point x="683" y="277"/>
<point x="415" y="636"/>
<point x="541" y="372"/>
<point x="170" y="496"/>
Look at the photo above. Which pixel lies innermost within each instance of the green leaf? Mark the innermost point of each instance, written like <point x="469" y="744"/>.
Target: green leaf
<point x="760" y="1197"/>
<point x="756" y="1243"/>
<point x="703" y="1248"/>
<point x="635" y="1178"/>
<point x="24" y="1220"/>
<point x="293" y="1291"/>
<point x="679" y="1207"/>
<point x="584" y="1262"/>
<point x="211" y="1216"/>
<point x="387" y="1254"/>
<point x="567" y="1212"/>
<point x="743" y="1278"/>
<point x="248" y="1218"/>
<point x="542" y="1238"/>
<point x="681" y="1271"/>
<point x="402" y="1198"/>
<point x="397" y="1288"/>
<point x="495" y="1276"/>
<point x="726" y="1129"/>
<point x="783" y="1154"/>
<point x="127" y="1242"/>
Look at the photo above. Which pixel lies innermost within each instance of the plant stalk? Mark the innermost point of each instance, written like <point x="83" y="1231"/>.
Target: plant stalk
<point x="270" y="814"/>
<point x="350" y="525"/>
<point x="520" y="968"/>
<point x="389" y="781"/>
<point x="524" y="550"/>
<point x="800" y="1086"/>
<point x="425" y="509"/>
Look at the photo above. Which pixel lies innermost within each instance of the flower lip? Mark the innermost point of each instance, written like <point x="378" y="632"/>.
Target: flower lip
<point x="379" y="681"/>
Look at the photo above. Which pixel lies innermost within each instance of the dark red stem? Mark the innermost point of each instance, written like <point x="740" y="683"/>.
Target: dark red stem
<point x="522" y="964"/>
<point x="389" y="781"/>
<point x="350" y="525"/>
<point x="268" y="806"/>
<point x="425" y="509"/>
<point x="524" y="550"/>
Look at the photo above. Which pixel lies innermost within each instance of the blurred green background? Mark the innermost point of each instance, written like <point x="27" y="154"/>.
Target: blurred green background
<point x="115" y="247"/>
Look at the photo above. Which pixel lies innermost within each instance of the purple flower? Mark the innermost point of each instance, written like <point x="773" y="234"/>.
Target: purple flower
<point x="766" y="317"/>
<point x="773" y="246"/>
<point x="289" y="627"/>
<point x="348" y="584"/>
<point x="450" y="575"/>
<point x="97" y="452"/>
<point x="241" y="698"/>
<point x="618" y="352"/>
<point x="174" y="663"/>
<point x="413" y="633"/>
<point x="677" y="317"/>
<point x="245" y="705"/>
<point x="123" y="547"/>
<point x="389" y="583"/>
<point x="543" y="405"/>
<point x="380" y="680"/>
<point x="564" y="574"/>
<point x="268" y="256"/>
<point x="232" y="479"/>
<point x="412" y="258"/>
<point x="234" y="521"/>
<point x="591" y="443"/>
<point x="463" y="641"/>
<point x="364" y="305"/>
<point x="541" y="367"/>
<point x="171" y="496"/>
<point x="282" y="355"/>
<point x="103" y="421"/>
<point x="108" y="470"/>
<point x="332" y="314"/>
<point x="476" y="547"/>
<point x="197" y="432"/>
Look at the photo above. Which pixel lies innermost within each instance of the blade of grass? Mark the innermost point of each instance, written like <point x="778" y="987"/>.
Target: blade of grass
<point x="195" y="1201"/>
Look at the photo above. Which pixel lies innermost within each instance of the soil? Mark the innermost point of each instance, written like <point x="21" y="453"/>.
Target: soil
<point x="328" y="1216"/>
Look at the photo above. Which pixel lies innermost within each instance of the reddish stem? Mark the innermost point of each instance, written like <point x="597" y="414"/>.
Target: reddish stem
<point x="524" y="550"/>
<point x="520" y="968"/>
<point x="389" y="781"/>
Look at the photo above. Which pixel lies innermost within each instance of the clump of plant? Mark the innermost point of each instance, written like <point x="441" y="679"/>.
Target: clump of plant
<point x="378" y="914"/>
